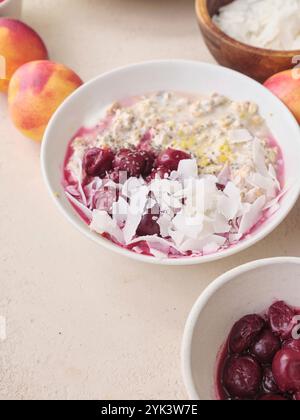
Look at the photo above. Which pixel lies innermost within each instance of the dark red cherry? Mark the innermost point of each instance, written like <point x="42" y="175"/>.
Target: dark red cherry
<point x="268" y="381"/>
<point x="281" y="319"/>
<point x="286" y="370"/>
<point x="297" y="396"/>
<point x="115" y="176"/>
<point x="220" y="187"/>
<point x="265" y="346"/>
<point x="244" y="333"/>
<point x="242" y="377"/>
<point x="272" y="397"/>
<point x="149" y="159"/>
<point x="292" y="345"/>
<point x="170" y="159"/>
<point x="97" y="162"/>
<point x="130" y="161"/>
<point x="148" y="226"/>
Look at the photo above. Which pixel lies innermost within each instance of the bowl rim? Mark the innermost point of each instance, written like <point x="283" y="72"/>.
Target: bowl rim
<point x="205" y="19"/>
<point x="200" y="304"/>
<point x="184" y="261"/>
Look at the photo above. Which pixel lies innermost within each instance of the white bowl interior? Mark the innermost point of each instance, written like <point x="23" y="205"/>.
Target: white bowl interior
<point x="246" y="290"/>
<point x="86" y="105"/>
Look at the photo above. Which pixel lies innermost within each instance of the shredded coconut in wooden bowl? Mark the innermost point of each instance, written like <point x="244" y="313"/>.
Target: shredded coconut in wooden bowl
<point x="271" y="24"/>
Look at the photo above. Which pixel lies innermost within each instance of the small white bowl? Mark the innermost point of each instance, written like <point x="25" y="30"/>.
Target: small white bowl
<point x="11" y="8"/>
<point x="248" y="289"/>
<point x="88" y="103"/>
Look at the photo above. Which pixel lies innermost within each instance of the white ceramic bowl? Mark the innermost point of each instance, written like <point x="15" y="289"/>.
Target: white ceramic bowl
<point x="248" y="289"/>
<point x="86" y="105"/>
<point x="11" y="8"/>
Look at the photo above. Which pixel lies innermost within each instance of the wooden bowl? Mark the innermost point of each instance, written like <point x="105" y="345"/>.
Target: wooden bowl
<point x="258" y="63"/>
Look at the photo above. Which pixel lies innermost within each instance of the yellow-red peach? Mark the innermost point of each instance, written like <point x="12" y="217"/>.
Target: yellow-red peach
<point x="286" y="85"/>
<point x="35" y="92"/>
<point x="19" y="44"/>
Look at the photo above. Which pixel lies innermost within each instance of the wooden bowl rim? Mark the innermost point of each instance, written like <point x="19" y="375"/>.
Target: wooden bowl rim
<point x="204" y="17"/>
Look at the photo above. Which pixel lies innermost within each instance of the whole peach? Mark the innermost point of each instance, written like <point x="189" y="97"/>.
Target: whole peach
<point x="286" y="85"/>
<point x="19" y="44"/>
<point x="35" y="92"/>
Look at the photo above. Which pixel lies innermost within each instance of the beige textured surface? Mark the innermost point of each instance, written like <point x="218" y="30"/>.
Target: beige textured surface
<point x="82" y="322"/>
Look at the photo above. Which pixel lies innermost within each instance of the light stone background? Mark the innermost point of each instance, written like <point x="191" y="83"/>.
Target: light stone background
<point x="81" y="321"/>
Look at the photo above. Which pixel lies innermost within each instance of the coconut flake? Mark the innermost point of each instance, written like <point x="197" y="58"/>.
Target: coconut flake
<point x="189" y="226"/>
<point x="150" y="204"/>
<point x="272" y="24"/>
<point x="138" y="250"/>
<point x="154" y="241"/>
<point x="139" y="200"/>
<point x="252" y="215"/>
<point x="72" y="190"/>
<point x="252" y="195"/>
<point x="240" y="136"/>
<point x="103" y="223"/>
<point x="235" y="237"/>
<point x="85" y="210"/>
<point x="259" y="158"/>
<point x="132" y="223"/>
<point x="195" y="216"/>
<point x="272" y="210"/>
<point x="264" y="183"/>
<point x="200" y="245"/>
<point x="91" y="191"/>
<point x="120" y="210"/>
<point x="195" y="245"/>
<point x="221" y="224"/>
<point x="174" y="176"/>
<point x="177" y="237"/>
<point x="108" y="184"/>
<point x="224" y="175"/>
<point x="273" y="176"/>
<point x="164" y="222"/>
<point x="131" y="186"/>
<point x="158" y="254"/>
<point x="188" y="168"/>
<point x="276" y="199"/>
<point x="229" y="203"/>
<point x="214" y="245"/>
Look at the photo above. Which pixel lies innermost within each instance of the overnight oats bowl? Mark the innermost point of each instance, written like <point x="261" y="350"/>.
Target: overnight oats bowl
<point x="242" y="337"/>
<point x="173" y="162"/>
